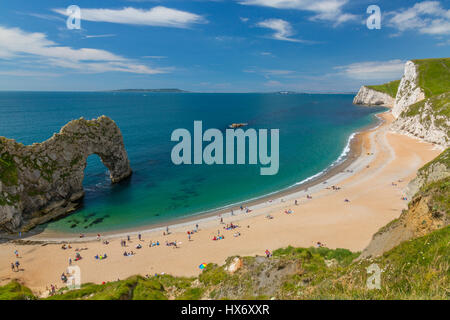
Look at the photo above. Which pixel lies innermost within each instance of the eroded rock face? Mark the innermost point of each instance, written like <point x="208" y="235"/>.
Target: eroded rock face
<point x="41" y="182"/>
<point x="434" y="171"/>
<point x="370" y="97"/>
<point x="409" y="91"/>
<point x="425" y="121"/>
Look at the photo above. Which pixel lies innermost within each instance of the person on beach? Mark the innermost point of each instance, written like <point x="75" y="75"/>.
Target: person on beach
<point x="12" y="266"/>
<point x="16" y="253"/>
<point x="129" y="239"/>
<point x="140" y="237"/>
<point x="70" y="261"/>
<point x="196" y="227"/>
<point x="17" y="265"/>
<point x="296" y="202"/>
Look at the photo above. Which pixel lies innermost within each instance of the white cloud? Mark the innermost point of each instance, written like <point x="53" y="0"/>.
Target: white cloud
<point x="428" y="17"/>
<point x="16" y="44"/>
<point x="158" y="16"/>
<point x="325" y="10"/>
<point x="283" y="29"/>
<point x="373" y="70"/>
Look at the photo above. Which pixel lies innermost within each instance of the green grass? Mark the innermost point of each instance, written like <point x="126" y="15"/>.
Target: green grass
<point x="416" y="269"/>
<point x="440" y="196"/>
<point x="440" y="105"/>
<point x="434" y="76"/>
<point x="15" y="291"/>
<point x="389" y="88"/>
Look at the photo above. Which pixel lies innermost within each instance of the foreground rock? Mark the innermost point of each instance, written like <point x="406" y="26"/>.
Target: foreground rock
<point x="42" y="182"/>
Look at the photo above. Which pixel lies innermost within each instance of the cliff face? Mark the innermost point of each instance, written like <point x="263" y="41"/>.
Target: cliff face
<point x="370" y="97"/>
<point x="422" y="100"/>
<point x="435" y="170"/>
<point x="425" y="116"/>
<point x="427" y="120"/>
<point x="43" y="181"/>
<point x="409" y="91"/>
<point x="428" y="210"/>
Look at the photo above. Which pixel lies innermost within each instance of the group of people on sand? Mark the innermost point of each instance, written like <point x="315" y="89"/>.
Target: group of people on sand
<point x="153" y="244"/>
<point x="15" y="266"/>
<point x="219" y="237"/>
<point x="320" y="244"/>
<point x="66" y="246"/>
<point x="128" y="254"/>
<point x="100" y="257"/>
<point x="172" y="244"/>
<point x="231" y="226"/>
<point x="52" y="290"/>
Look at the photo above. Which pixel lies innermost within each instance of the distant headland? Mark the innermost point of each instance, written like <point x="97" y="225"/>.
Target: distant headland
<point x="168" y="90"/>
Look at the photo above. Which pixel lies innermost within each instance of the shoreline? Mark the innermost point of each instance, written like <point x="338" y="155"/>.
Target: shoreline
<point x="351" y="152"/>
<point x="354" y="146"/>
<point x="385" y="157"/>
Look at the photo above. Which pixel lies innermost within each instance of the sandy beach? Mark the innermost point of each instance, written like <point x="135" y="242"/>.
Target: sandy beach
<point x="366" y="182"/>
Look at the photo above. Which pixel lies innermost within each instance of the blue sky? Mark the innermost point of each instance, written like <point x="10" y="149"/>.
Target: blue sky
<point x="215" y="46"/>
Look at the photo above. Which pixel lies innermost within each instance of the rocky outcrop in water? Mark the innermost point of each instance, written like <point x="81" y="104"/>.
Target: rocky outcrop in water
<point x="370" y="97"/>
<point x="43" y="181"/>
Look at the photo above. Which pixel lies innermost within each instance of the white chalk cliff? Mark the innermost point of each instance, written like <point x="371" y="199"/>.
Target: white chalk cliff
<point x="409" y="91"/>
<point x="415" y="115"/>
<point x="370" y="97"/>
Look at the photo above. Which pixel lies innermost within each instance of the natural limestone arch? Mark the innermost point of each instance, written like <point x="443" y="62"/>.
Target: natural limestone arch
<point x="43" y="181"/>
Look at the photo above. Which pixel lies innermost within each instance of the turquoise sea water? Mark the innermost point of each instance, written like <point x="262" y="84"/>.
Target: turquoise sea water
<point x="314" y="131"/>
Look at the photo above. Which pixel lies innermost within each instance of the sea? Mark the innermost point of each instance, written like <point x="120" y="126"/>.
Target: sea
<point x="314" y="135"/>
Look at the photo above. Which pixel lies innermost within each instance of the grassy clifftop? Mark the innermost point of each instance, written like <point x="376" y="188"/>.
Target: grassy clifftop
<point x="434" y="76"/>
<point x="389" y="88"/>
